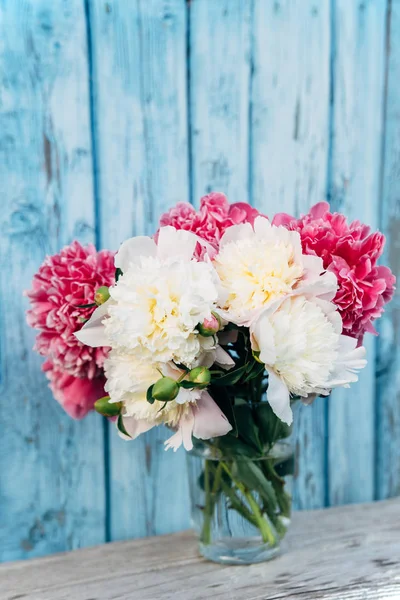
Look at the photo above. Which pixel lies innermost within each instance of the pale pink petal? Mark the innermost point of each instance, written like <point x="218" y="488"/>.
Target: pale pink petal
<point x="183" y="435"/>
<point x="209" y="420"/>
<point x="134" y="427"/>
<point x="223" y="359"/>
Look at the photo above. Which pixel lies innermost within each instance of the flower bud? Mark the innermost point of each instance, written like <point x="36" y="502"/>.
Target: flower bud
<point x="107" y="408"/>
<point x="165" y="389"/>
<point x="200" y="375"/>
<point x="102" y="295"/>
<point x="210" y="326"/>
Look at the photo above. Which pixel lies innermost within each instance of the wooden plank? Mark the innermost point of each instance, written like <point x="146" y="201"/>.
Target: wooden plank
<point x="289" y="133"/>
<point x="220" y="61"/>
<point x="388" y="365"/>
<point x="51" y="468"/>
<point x="139" y="77"/>
<point x="358" y="80"/>
<point x="341" y="553"/>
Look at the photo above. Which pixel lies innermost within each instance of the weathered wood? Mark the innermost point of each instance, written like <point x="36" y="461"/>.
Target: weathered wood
<point x="358" y="85"/>
<point x="220" y="57"/>
<point x="139" y="92"/>
<point x="346" y="553"/>
<point x="51" y="468"/>
<point x="257" y="117"/>
<point x="388" y="365"/>
<point x="289" y="132"/>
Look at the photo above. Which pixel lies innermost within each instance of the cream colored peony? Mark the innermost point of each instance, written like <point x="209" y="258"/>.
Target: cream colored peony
<point x="257" y="266"/>
<point x="192" y="411"/>
<point x="158" y="302"/>
<point x="300" y="342"/>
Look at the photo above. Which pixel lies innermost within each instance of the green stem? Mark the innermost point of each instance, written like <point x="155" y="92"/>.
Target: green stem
<point x="208" y="509"/>
<point x="263" y="525"/>
<point x="217" y="479"/>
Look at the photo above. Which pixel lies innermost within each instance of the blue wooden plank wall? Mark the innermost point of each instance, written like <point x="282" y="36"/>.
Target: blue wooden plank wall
<point x="113" y="110"/>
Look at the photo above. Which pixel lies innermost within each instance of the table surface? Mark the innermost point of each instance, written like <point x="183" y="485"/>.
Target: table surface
<point x="344" y="553"/>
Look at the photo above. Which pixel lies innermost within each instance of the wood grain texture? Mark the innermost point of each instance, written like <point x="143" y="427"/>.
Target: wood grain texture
<point x="144" y="103"/>
<point x="51" y="468"/>
<point x="346" y="553"/>
<point x="139" y="92"/>
<point x="220" y="61"/>
<point x="289" y="133"/>
<point x="388" y="365"/>
<point x="358" y="83"/>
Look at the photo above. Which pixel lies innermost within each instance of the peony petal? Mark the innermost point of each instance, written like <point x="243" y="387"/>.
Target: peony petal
<point x="351" y="359"/>
<point x="279" y="398"/>
<point x="173" y="243"/>
<point x="131" y="250"/>
<point x="209" y="420"/>
<point x="324" y="286"/>
<point x="174" y="442"/>
<point x="283" y="219"/>
<point x="262" y="227"/>
<point x="223" y="359"/>
<point x="134" y="427"/>
<point x="262" y="338"/>
<point x="93" y="332"/>
<point x="183" y="435"/>
<point x="319" y="210"/>
<point x="235" y="233"/>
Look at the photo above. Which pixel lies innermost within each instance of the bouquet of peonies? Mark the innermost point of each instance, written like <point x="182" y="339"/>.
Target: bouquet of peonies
<point x="214" y="327"/>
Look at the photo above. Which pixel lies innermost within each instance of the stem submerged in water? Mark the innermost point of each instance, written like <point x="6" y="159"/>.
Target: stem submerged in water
<point x="218" y="478"/>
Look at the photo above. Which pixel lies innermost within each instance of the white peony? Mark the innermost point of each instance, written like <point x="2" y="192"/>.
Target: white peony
<point x="158" y="302"/>
<point x="300" y="342"/>
<point x="257" y="266"/>
<point x="193" y="412"/>
<point x="128" y="379"/>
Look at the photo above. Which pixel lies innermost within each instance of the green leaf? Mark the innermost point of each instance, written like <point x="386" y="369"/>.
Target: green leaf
<point x="247" y="427"/>
<point x="255" y="370"/>
<point x="149" y="395"/>
<point x="121" y="427"/>
<point x="224" y="477"/>
<point x="231" y="378"/>
<point x="287" y="467"/>
<point x="118" y="273"/>
<point x="252" y="477"/>
<point x="231" y="447"/>
<point x="189" y="385"/>
<point x="256" y="356"/>
<point x="270" y="427"/>
<point x="107" y="408"/>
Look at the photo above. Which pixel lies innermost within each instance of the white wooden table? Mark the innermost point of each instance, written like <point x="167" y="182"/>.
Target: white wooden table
<point x="347" y="553"/>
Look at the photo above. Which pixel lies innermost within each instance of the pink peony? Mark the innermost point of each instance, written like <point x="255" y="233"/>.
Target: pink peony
<point x="76" y="395"/>
<point x="351" y="252"/>
<point x="63" y="282"/>
<point x="210" y="222"/>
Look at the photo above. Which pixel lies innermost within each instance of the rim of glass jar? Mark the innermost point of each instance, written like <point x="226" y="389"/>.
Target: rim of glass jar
<point x="203" y="450"/>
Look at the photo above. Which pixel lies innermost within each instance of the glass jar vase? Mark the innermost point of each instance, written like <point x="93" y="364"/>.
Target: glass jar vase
<point x="241" y="504"/>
